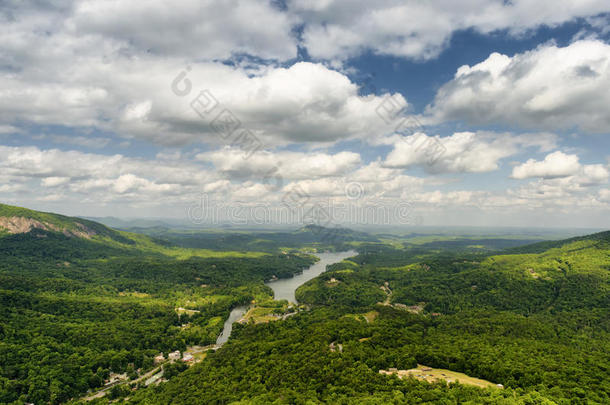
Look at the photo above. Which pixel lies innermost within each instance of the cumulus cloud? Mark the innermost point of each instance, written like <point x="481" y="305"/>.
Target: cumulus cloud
<point x="209" y="29"/>
<point x="415" y="29"/>
<point x="105" y="176"/>
<point x="549" y="88"/>
<point x="287" y="165"/>
<point x="110" y="65"/>
<point x="604" y="195"/>
<point x="567" y="169"/>
<point x="305" y="102"/>
<point x="576" y="190"/>
<point x="380" y="181"/>
<point x="554" y="165"/>
<point x="217" y="29"/>
<point x="54" y="181"/>
<point x="451" y="198"/>
<point x="109" y="68"/>
<point x="116" y="178"/>
<point x="593" y="175"/>
<point x="462" y="152"/>
<point x="193" y="29"/>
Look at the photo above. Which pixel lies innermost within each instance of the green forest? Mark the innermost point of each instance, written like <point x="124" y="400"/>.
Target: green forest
<point x="81" y="303"/>
<point x="536" y="323"/>
<point x="74" y="309"/>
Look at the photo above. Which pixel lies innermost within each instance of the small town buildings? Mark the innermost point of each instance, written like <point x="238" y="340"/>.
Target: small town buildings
<point x="174" y="355"/>
<point x="160" y="358"/>
<point x="155" y="379"/>
<point x="114" y="378"/>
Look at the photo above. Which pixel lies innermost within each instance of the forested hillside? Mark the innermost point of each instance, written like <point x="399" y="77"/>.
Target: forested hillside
<point x="79" y="301"/>
<point x="538" y="324"/>
<point x="310" y="236"/>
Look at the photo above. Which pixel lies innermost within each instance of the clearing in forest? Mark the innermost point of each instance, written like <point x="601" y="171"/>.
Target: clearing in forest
<point x="431" y="375"/>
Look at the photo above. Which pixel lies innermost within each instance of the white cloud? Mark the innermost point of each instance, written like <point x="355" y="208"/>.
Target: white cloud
<point x="54" y="181"/>
<point x="288" y="165"/>
<point x="416" y="29"/>
<point x="576" y="190"/>
<point x="604" y="195"/>
<point x="593" y="175"/>
<point x="462" y="152"/>
<point x="560" y="170"/>
<point x="31" y="176"/>
<point x="451" y="198"/>
<point x="208" y="29"/>
<point x="110" y="64"/>
<point x="106" y="67"/>
<point x="554" y="165"/>
<point x="219" y="29"/>
<point x="9" y="129"/>
<point x="86" y="141"/>
<point x="305" y="102"/>
<point x="547" y="88"/>
<point x="108" y="177"/>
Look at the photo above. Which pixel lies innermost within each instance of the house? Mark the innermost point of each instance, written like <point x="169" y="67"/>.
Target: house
<point x="334" y="347"/>
<point x="174" y="355"/>
<point x="114" y="378"/>
<point x="187" y="357"/>
<point x="160" y="358"/>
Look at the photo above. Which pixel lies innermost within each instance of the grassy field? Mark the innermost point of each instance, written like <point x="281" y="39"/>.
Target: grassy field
<point x="432" y="375"/>
<point x="266" y="311"/>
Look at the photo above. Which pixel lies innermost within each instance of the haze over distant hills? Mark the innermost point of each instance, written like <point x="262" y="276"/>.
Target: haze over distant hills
<point x="297" y="202"/>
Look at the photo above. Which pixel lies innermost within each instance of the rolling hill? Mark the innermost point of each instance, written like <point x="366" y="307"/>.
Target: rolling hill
<point x="538" y="324"/>
<point x="81" y="302"/>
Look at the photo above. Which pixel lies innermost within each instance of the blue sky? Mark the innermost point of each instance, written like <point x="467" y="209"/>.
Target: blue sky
<point x="510" y="98"/>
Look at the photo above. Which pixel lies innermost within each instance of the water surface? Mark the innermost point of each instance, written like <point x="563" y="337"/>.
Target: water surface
<point x="236" y="314"/>
<point x="283" y="289"/>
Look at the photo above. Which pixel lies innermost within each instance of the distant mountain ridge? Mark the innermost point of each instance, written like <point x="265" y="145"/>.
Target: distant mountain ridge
<point x="129" y="224"/>
<point x="541" y="247"/>
<point x="337" y="233"/>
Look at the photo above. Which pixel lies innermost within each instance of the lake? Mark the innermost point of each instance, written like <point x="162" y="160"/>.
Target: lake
<point x="283" y="289"/>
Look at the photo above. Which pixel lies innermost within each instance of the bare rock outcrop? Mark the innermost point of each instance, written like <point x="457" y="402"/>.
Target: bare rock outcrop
<point x="17" y="225"/>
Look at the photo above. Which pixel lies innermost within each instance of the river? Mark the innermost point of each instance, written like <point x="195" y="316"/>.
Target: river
<point x="283" y="289"/>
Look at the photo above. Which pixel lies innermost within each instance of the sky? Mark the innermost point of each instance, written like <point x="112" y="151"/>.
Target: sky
<point x="478" y="112"/>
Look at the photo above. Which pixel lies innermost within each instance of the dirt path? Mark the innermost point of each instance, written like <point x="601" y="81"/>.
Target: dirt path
<point x="105" y="390"/>
<point x="386" y="289"/>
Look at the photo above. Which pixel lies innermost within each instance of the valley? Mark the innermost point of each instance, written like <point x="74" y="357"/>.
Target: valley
<point x="86" y="315"/>
<point x="291" y="202"/>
